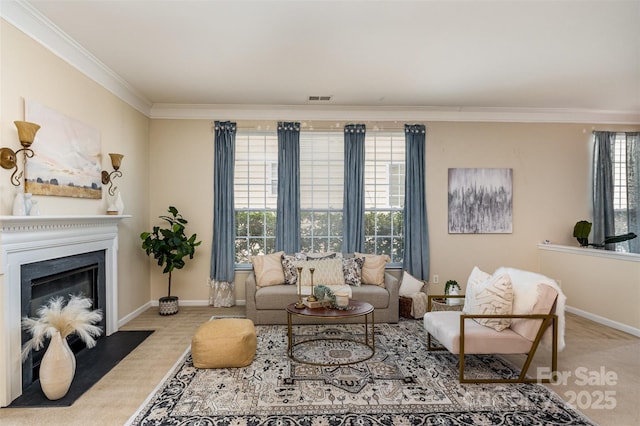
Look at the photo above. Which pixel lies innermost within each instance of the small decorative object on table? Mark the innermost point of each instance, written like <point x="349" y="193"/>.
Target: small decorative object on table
<point x="56" y="321"/>
<point x="451" y="287"/>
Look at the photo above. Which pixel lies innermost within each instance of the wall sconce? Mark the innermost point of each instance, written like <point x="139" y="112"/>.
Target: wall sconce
<point x="107" y="178"/>
<point x="8" y="158"/>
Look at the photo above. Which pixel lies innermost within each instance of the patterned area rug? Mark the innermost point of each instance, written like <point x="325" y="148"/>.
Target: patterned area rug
<point x="402" y="384"/>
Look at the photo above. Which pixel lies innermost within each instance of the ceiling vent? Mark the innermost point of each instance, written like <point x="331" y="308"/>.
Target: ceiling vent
<point x="320" y="98"/>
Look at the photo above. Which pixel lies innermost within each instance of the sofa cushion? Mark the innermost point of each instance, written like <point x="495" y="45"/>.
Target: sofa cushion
<point x="279" y="296"/>
<point x="327" y="272"/>
<point x="376" y="295"/>
<point x="268" y="269"/>
<point x="352" y="270"/>
<point x="445" y="327"/>
<point x="373" y="268"/>
<point x="492" y="297"/>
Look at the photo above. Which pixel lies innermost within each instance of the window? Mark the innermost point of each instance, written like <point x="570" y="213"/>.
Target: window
<point x="384" y="194"/>
<point x="619" y="152"/>
<point x="255" y="200"/>
<point x="321" y="193"/>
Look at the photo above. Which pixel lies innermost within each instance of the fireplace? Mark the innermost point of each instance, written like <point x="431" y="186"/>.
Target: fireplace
<point x="29" y="240"/>
<point x="81" y="274"/>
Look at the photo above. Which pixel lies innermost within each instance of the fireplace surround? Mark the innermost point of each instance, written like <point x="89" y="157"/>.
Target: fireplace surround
<point x="29" y="239"/>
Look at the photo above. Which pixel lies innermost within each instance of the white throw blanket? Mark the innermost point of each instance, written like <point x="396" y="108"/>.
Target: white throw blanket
<point x="526" y="294"/>
<point x="418" y="304"/>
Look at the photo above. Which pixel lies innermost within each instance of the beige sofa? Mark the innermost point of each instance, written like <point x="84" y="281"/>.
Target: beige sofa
<point x="266" y="305"/>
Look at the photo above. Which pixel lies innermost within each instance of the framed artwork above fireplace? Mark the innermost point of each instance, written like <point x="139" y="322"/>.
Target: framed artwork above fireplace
<point x="67" y="156"/>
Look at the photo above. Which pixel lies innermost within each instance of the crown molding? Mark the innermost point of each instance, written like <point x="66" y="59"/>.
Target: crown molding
<point x="30" y="21"/>
<point x="351" y="113"/>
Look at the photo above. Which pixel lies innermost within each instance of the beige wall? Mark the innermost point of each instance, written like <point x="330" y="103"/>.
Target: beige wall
<point x="597" y="284"/>
<point x="550" y="179"/>
<point x="29" y="71"/>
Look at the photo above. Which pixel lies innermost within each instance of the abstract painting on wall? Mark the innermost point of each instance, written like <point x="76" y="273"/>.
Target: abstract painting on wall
<point x="480" y="201"/>
<point x="67" y="156"/>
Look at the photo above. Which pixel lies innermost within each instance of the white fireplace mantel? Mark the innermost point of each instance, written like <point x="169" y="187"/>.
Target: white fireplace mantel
<point x="28" y="239"/>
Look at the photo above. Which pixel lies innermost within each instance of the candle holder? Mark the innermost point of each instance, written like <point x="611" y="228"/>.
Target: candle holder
<point x="299" y="303"/>
<point x="312" y="296"/>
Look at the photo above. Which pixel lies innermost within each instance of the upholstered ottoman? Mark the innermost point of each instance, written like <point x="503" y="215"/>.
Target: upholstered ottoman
<point x="224" y="342"/>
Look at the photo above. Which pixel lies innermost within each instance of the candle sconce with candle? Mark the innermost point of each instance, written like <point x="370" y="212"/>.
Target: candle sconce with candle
<point x="312" y="297"/>
<point x="299" y="303"/>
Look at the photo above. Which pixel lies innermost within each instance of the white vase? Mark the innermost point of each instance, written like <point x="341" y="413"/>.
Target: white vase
<point x="57" y="368"/>
<point x="35" y="209"/>
<point x="28" y="203"/>
<point x="119" y="204"/>
<point x="18" y="205"/>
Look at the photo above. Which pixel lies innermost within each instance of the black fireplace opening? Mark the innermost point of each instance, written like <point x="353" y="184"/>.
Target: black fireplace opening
<point x="79" y="275"/>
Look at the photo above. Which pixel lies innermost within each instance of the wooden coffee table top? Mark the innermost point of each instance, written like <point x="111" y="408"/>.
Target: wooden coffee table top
<point x="357" y="308"/>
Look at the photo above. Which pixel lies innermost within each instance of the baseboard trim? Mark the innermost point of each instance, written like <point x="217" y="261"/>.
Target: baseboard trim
<point x="604" y="321"/>
<point x="122" y="321"/>
<point x="184" y="302"/>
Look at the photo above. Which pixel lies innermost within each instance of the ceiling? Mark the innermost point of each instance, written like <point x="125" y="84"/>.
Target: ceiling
<point x="577" y="55"/>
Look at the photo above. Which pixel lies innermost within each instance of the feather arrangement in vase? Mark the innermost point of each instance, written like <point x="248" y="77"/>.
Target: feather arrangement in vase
<point x="57" y="320"/>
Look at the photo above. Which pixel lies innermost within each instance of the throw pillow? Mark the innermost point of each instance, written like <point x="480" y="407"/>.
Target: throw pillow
<point x="373" y="268"/>
<point x="493" y="297"/>
<point x="327" y="272"/>
<point x="289" y="267"/>
<point x="476" y="277"/>
<point x="268" y="269"/>
<point x="352" y="270"/>
<point x="409" y="285"/>
<point x="320" y="256"/>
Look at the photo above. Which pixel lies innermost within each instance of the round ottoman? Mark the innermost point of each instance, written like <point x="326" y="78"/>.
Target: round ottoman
<point x="223" y="343"/>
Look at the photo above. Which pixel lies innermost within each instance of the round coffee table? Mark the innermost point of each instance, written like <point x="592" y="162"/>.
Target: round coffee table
<point x="356" y="309"/>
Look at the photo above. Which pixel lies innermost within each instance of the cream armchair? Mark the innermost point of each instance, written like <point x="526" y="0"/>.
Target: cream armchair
<point x="509" y="312"/>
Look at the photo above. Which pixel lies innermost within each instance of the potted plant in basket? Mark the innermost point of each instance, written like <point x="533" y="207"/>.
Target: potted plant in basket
<point x="170" y="246"/>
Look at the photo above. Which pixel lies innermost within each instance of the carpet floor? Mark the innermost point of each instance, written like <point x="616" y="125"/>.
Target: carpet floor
<point x="91" y="366"/>
<point x="401" y="384"/>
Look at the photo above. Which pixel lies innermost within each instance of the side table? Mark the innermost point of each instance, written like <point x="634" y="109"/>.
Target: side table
<point x="439" y="303"/>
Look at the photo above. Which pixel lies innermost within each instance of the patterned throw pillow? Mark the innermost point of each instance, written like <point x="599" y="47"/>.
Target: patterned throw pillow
<point x="289" y="267"/>
<point x="268" y="269"/>
<point x="352" y="269"/>
<point x="493" y="297"/>
<point x="327" y="272"/>
<point x="373" y="268"/>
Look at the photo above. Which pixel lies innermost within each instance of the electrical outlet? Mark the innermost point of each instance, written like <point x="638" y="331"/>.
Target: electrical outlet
<point x="436" y="278"/>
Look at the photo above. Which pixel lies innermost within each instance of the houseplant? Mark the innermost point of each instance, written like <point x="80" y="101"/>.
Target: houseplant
<point x="451" y="287"/>
<point x="57" y="320"/>
<point x="170" y="246"/>
<point x="581" y="232"/>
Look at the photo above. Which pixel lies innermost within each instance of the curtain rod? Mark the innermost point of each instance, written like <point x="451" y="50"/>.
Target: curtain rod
<point x="323" y="126"/>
